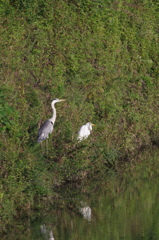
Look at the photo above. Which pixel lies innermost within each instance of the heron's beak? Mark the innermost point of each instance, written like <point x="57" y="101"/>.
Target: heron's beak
<point x="62" y="100"/>
<point x="93" y="124"/>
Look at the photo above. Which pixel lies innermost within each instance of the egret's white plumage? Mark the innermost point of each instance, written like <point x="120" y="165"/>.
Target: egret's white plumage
<point x="85" y="131"/>
<point x="48" y="126"/>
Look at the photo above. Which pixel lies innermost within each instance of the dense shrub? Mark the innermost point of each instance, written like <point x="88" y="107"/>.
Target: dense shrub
<point x="102" y="57"/>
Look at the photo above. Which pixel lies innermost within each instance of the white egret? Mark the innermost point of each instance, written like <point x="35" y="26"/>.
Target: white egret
<point x="85" y="131"/>
<point x="48" y="126"/>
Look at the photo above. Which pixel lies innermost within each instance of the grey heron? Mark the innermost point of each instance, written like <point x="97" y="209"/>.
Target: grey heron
<point x="48" y="126"/>
<point x="85" y="131"/>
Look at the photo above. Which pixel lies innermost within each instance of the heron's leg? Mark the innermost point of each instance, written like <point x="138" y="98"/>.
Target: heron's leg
<point x="42" y="147"/>
<point x="47" y="147"/>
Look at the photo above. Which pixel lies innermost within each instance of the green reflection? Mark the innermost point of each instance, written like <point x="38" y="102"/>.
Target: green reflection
<point x="124" y="206"/>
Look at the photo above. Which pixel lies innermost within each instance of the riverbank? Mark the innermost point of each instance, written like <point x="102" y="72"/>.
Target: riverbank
<point x="103" y="59"/>
<point x="112" y="199"/>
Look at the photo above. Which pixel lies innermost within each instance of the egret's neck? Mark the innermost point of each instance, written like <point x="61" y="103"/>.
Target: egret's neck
<point x="53" y="118"/>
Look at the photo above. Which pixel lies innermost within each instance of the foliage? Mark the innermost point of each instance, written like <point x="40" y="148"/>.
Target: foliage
<point x="102" y="57"/>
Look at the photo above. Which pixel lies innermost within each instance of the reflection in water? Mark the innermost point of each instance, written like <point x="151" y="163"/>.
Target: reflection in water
<point x="51" y="237"/>
<point x="43" y="229"/>
<point x="124" y="206"/>
<point x="86" y="212"/>
<point x="48" y="234"/>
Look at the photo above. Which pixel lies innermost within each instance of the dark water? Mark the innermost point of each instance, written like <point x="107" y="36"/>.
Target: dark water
<point x="123" y="206"/>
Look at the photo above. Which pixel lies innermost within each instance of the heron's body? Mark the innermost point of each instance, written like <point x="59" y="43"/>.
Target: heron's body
<point x="85" y="131"/>
<point x="45" y="130"/>
<point x="48" y="126"/>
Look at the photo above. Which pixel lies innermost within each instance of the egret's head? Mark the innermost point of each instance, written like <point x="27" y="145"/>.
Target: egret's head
<point x="89" y="125"/>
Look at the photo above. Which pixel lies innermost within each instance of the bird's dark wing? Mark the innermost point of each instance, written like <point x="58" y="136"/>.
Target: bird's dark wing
<point x="44" y="131"/>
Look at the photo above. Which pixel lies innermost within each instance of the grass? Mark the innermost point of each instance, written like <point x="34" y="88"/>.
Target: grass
<point x="103" y="59"/>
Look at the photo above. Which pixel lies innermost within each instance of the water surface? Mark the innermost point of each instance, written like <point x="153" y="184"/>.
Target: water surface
<point x="121" y="206"/>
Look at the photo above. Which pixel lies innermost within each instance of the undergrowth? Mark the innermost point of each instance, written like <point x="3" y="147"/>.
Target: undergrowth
<point x="102" y="57"/>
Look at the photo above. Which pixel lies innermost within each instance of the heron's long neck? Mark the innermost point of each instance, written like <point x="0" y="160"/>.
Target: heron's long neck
<point x="53" y="118"/>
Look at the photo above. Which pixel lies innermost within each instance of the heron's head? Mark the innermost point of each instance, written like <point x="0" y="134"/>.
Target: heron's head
<point x="55" y="100"/>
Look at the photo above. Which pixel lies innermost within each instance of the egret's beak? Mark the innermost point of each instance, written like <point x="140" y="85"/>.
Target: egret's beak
<point x="92" y="124"/>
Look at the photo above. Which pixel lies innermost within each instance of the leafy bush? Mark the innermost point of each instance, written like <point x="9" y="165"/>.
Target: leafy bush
<point x="102" y="57"/>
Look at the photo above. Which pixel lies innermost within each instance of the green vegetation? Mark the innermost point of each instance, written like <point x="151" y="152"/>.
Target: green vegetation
<point x="123" y="206"/>
<point x="102" y="57"/>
